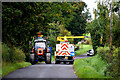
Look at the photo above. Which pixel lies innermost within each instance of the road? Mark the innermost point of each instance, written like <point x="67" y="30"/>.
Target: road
<point x="82" y="56"/>
<point x="43" y="70"/>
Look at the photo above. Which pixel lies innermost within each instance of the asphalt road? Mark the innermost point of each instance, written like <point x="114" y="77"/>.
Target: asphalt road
<point x="82" y="56"/>
<point x="43" y="70"/>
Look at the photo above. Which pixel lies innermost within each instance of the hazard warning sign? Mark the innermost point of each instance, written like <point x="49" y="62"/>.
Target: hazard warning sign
<point x="64" y="46"/>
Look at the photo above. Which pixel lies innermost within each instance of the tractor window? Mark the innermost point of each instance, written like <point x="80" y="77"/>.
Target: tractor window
<point x="40" y="45"/>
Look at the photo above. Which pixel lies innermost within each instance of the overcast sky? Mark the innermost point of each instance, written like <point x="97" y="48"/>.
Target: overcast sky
<point x="91" y="4"/>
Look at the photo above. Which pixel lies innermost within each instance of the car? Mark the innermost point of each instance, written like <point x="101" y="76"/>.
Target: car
<point x="90" y="52"/>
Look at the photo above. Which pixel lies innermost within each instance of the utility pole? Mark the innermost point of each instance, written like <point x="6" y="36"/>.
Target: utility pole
<point x="110" y="31"/>
<point x="119" y="50"/>
<point x="110" y="24"/>
<point x="95" y="13"/>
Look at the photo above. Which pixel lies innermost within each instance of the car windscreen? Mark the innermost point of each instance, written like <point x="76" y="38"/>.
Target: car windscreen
<point x="40" y="45"/>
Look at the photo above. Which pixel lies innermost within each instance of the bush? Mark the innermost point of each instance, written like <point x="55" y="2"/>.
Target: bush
<point x="19" y="55"/>
<point x="5" y="53"/>
<point x="27" y="59"/>
<point x="103" y="52"/>
<point x="114" y="66"/>
<point x="89" y="41"/>
<point x="12" y="54"/>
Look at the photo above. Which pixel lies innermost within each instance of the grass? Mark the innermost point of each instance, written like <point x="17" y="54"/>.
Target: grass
<point x="10" y="58"/>
<point x="83" y="48"/>
<point x="53" y="58"/>
<point x="92" y="67"/>
<point x="9" y="67"/>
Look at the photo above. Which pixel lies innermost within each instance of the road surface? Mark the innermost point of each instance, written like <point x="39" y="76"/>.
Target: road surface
<point x="43" y="70"/>
<point x="82" y="56"/>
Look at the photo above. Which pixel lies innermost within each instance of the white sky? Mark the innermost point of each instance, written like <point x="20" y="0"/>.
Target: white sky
<point x="91" y="4"/>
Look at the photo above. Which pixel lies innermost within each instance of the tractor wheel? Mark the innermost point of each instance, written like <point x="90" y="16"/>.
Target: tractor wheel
<point x="32" y="60"/>
<point x="48" y="58"/>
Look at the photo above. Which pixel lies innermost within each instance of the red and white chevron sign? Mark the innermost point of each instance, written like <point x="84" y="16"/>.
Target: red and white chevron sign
<point x="63" y="53"/>
<point x="64" y="46"/>
<point x="62" y="49"/>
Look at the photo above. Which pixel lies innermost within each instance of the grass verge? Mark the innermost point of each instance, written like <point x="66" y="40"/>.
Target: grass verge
<point x="92" y="67"/>
<point x="9" y="67"/>
<point x="83" y="48"/>
<point x="53" y="58"/>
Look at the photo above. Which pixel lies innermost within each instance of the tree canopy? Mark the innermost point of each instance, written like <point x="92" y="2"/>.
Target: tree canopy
<point x="22" y="21"/>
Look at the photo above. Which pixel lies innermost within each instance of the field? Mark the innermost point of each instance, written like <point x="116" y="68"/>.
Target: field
<point x="83" y="48"/>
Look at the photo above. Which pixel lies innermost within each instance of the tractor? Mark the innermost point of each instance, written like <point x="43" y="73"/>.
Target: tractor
<point x="40" y="50"/>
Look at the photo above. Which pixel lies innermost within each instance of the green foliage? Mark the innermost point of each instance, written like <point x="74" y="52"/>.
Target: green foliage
<point x="100" y="27"/>
<point x="8" y="67"/>
<point x="53" y="32"/>
<point x="78" y="24"/>
<point x="116" y="31"/>
<point x="83" y="49"/>
<point x="95" y="31"/>
<point x="27" y="57"/>
<point x="104" y="52"/>
<point x="92" y="67"/>
<point x="22" y="21"/>
<point x="89" y="41"/>
<point x="53" y="58"/>
<point x="12" y="54"/>
<point x="19" y="20"/>
<point x="113" y="67"/>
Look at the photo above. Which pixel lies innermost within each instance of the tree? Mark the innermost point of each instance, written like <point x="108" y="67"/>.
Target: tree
<point x="22" y="21"/>
<point x="78" y="23"/>
<point x="101" y="27"/>
<point x="52" y="34"/>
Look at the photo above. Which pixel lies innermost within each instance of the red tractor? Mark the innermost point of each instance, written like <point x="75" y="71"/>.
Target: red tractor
<point x="40" y="51"/>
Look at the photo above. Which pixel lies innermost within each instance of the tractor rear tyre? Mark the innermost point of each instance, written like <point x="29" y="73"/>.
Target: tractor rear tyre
<point x="32" y="59"/>
<point x="48" y="58"/>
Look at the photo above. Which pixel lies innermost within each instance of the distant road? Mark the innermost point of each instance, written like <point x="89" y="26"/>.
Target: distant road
<point x="82" y="56"/>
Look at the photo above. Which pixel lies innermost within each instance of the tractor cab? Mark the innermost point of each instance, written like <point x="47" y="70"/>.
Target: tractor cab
<point x="39" y="43"/>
